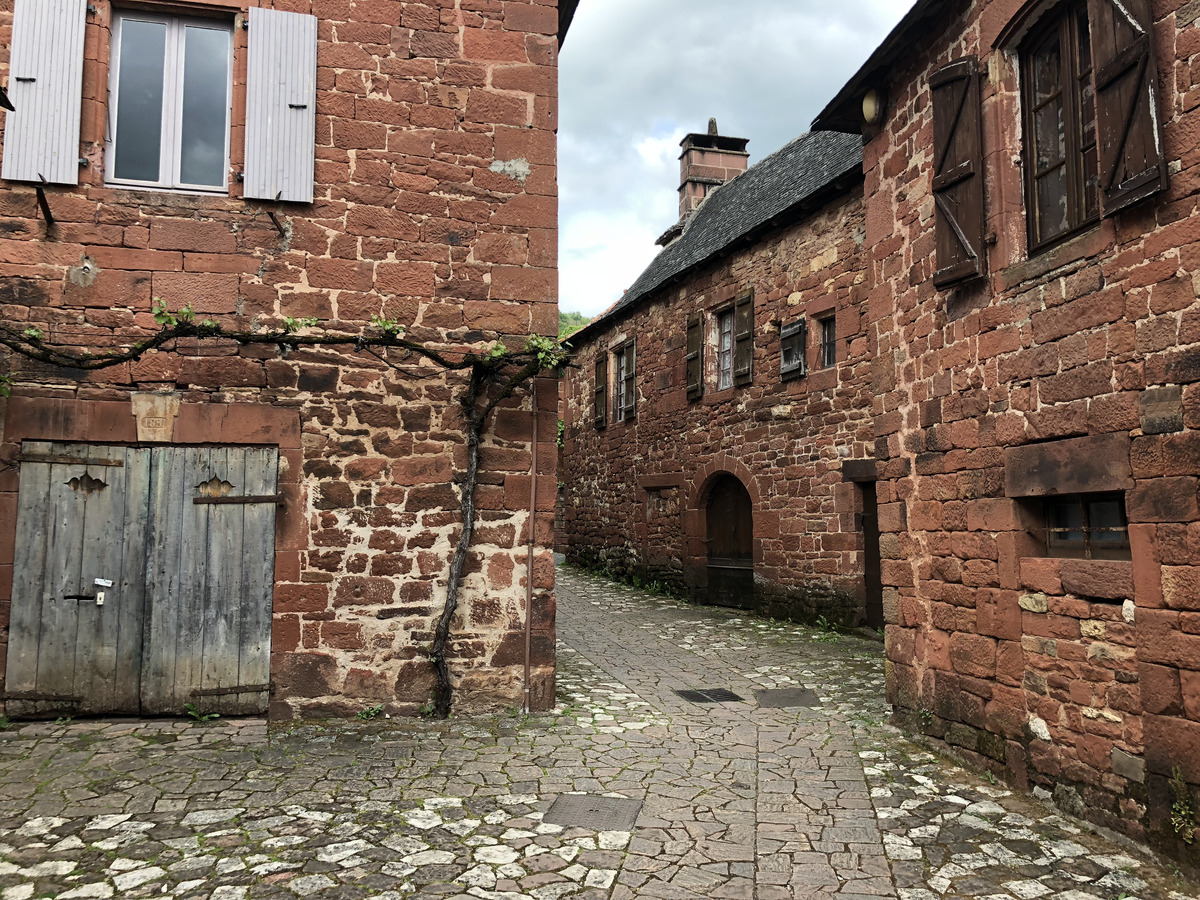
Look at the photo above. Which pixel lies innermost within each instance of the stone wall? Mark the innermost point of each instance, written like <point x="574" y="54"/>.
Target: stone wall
<point x="1078" y="363"/>
<point x="435" y="206"/>
<point x="635" y="492"/>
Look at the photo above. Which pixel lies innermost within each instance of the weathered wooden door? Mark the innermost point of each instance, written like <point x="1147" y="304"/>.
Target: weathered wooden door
<point x="142" y="580"/>
<point x="209" y="574"/>
<point x="78" y="587"/>
<point x="730" y="524"/>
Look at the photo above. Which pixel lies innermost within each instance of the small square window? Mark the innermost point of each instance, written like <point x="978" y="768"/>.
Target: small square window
<point x="827" y="349"/>
<point x="1086" y="526"/>
<point x="171" y="88"/>
<point x="792" y="339"/>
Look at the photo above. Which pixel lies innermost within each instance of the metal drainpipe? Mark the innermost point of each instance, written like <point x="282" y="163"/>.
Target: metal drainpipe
<point x="529" y="557"/>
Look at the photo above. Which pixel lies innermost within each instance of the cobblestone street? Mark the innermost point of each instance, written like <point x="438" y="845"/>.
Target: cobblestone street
<point x="738" y="800"/>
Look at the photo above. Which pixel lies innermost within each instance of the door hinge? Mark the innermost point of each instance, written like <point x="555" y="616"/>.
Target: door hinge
<point x="277" y="499"/>
<point x="221" y="691"/>
<point x="68" y="460"/>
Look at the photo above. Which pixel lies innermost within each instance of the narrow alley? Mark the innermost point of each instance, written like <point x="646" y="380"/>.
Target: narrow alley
<point x="781" y="780"/>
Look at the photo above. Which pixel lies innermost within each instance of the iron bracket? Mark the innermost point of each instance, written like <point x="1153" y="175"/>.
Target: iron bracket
<point x="277" y="499"/>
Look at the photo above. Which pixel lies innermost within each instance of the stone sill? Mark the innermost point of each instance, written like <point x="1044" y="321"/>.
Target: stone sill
<point x="1091" y="243"/>
<point x="1103" y="580"/>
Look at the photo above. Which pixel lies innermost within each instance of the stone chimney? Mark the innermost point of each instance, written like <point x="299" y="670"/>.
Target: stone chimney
<point x="707" y="161"/>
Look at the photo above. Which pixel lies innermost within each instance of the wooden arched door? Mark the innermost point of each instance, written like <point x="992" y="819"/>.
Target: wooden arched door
<point x="730" y="537"/>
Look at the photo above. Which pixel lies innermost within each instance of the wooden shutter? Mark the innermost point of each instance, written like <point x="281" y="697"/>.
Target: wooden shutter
<point x="630" y="381"/>
<point x="957" y="173"/>
<point x="45" y="84"/>
<point x="281" y="106"/>
<point x="1131" y="162"/>
<point x="601" y="390"/>
<point x="695" y="358"/>
<point x="743" y="338"/>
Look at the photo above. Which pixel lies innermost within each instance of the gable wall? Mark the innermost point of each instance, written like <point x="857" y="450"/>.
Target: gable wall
<point x="634" y="492"/>
<point x="436" y="207"/>
<point x="1040" y="665"/>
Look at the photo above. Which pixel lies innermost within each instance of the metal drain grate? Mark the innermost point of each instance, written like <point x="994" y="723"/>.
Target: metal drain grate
<point x="596" y="813"/>
<point x="785" y="698"/>
<point x="709" y="695"/>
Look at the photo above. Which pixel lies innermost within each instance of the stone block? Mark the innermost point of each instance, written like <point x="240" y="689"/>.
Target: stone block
<point x="1171" y="499"/>
<point x="1160" y="409"/>
<point x="1160" y="689"/>
<point x="973" y="654"/>
<point x="1172" y="742"/>
<point x="1128" y="766"/>
<point x="1036" y="603"/>
<point x="1181" y="587"/>
<point x="1106" y="579"/>
<point x="1072" y="466"/>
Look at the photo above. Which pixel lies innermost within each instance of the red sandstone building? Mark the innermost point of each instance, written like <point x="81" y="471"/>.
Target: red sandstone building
<point x="1030" y="335"/>
<point x="244" y="529"/>
<point x="1031" y="190"/>
<point x="718" y="430"/>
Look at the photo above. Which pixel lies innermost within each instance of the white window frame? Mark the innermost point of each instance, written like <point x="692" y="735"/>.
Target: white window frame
<point x="170" y="154"/>
<point x="725" y="349"/>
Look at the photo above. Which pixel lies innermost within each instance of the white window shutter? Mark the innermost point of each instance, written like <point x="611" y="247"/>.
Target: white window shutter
<point x="45" y="84"/>
<point x="281" y="106"/>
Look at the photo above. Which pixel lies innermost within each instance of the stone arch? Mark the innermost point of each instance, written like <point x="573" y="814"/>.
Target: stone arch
<point x="694" y="515"/>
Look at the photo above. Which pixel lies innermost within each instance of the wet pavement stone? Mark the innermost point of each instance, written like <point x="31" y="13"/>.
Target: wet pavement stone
<point x="737" y="801"/>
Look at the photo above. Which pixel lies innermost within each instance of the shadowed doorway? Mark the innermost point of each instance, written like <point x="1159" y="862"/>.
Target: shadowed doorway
<point x="730" y="532"/>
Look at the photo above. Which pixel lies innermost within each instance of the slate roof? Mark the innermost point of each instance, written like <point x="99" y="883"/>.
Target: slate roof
<point x="774" y="187"/>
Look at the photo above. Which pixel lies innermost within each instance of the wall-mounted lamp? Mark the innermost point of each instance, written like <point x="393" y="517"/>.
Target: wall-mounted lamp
<point x="872" y="106"/>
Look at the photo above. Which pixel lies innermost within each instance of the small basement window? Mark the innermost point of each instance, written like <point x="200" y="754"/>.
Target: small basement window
<point x="1086" y="526"/>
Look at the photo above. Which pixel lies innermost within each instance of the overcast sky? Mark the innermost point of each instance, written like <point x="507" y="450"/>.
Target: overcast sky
<point x="637" y="75"/>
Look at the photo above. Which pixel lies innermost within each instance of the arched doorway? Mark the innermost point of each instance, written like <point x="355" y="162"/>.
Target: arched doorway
<point x="729" y="525"/>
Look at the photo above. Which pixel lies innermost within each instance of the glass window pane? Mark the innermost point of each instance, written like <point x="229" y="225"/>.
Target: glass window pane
<point x="725" y="356"/>
<point x="1065" y="519"/>
<point x="828" y="342"/>
<point x="1050" y="135"/>
<point x="1047" y="71"/>
<point x="140" y="100"/>
<point x="1084" y="34"/>
<point x="205" y="106"/>
<point x="1052" y="203"/>
<point x="1106" y="514"/>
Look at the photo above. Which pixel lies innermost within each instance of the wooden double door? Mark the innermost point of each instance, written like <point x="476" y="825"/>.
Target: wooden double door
<point x="142" y="580"/>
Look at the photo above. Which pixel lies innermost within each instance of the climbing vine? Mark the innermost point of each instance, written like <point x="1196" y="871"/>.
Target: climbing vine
<point x="493" y="376"/>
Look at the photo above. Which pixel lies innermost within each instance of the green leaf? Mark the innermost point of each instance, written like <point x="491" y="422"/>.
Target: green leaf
<point x="158" y="308"/>
<point x="387" y="326"/>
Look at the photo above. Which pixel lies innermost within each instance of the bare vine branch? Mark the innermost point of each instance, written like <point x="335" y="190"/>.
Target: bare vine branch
<point x="494" y="376"/>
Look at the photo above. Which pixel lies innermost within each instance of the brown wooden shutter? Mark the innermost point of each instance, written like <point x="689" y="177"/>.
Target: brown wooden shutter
<point x="743" y="339"/>
<point x="630" y="381"/>
<point x="695" y="358"/>
<point x="1128" y="134"/>
<point x="957" y="173"/>
<point x="601" y="389"/>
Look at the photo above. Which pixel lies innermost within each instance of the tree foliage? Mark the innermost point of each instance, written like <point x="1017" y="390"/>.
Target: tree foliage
<point x="570" y="322"/>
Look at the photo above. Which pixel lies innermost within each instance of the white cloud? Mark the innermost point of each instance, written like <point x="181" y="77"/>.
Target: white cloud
<point x="636" y="75"/>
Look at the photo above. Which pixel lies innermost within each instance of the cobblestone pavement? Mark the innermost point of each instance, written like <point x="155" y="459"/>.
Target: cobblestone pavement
<point x="737" y="800"/>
